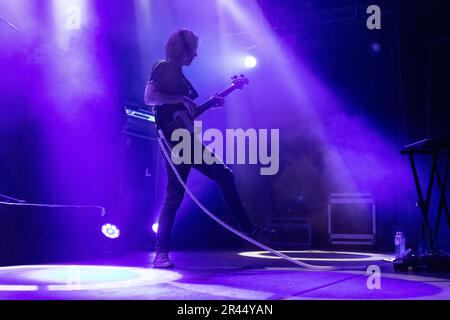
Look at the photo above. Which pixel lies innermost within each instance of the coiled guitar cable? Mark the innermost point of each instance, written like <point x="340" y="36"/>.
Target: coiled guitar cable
<point x="164" y="144"/>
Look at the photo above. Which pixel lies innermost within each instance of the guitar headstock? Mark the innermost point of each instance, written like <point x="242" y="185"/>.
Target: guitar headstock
<point x="239" y="81"/>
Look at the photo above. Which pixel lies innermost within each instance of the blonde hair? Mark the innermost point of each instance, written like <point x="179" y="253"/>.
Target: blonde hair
<point x="179" y="43"/>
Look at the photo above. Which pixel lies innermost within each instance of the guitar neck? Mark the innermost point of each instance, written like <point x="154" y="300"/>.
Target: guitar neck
<point x="208" y="104"/>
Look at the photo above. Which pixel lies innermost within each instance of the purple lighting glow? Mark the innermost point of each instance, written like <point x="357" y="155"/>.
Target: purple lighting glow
<point x="72" y="278"/>
<point x="314" y="146"/>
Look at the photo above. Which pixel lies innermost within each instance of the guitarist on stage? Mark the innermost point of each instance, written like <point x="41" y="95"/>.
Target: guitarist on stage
<point x="167" y="85"/>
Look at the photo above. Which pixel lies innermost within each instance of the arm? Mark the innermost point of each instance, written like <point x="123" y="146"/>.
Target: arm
<point x="154" y="97"/>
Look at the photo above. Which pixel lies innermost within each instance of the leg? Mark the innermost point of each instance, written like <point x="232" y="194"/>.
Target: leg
<point x="224" y="177"/>
<point x="172" y="202"/>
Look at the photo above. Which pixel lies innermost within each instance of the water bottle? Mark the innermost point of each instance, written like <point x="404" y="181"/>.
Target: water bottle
<point x="399" y="244"/>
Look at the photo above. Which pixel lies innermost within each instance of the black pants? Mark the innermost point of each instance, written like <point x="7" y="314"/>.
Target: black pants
<point x="221" y="174"/>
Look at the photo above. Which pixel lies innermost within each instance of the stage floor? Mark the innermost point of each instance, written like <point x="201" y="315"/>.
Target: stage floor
<point x="218" y="275"/>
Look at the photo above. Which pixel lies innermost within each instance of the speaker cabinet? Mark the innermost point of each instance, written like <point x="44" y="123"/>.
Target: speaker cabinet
<point x="140" y="191"/>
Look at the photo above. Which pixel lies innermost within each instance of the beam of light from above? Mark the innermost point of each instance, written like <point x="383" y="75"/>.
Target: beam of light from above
<point x="144" y="19"/>
<point x="69" y="16"/>
<point x="295" y="81"/>
<point x="339" y="136"/>
<point x="79" y="84"/>
<point x="74" y="76"/>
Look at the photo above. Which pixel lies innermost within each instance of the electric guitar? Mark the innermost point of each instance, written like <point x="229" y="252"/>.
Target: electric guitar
<point x="170" y="117"/>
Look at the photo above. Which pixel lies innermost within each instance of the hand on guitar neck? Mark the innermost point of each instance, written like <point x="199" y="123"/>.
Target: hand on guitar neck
<point x="214" y="102"/>
<point x="217" y="101"/>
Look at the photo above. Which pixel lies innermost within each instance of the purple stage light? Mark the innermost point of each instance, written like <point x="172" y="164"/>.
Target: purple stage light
<point x="110" y="231"/>
<point x="250" y="62"/>
<point x="155" y="227"/>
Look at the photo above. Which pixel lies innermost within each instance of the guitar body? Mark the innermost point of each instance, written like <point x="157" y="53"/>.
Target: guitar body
<point x="170" y="117"/>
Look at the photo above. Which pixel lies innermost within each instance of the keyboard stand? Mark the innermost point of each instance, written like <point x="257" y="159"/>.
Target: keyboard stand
<point x="434" y="260"/>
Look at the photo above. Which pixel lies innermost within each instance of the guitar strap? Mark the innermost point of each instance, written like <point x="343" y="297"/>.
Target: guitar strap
<point x="193" y="94"/>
